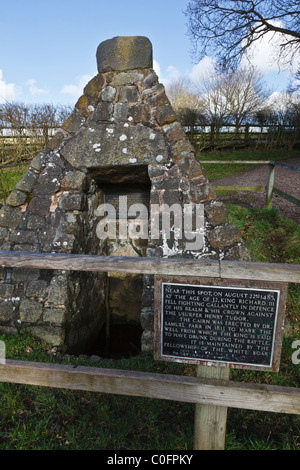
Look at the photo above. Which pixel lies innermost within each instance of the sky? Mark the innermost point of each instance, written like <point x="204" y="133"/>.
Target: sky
<point x="48" y="49"/>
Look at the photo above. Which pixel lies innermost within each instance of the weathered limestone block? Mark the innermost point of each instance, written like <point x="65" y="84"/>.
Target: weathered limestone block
<point x="16" y="198"/>
<point x="216" y="213"/>
<point x="108" y="93"/>
<point x="37" y="289"/>
<point x="223" y="236"/>
<point x="28" y="181"/>
<point x="124" y="53"/>
<point x="127" y="78"/>
<point x="30" y="311"/>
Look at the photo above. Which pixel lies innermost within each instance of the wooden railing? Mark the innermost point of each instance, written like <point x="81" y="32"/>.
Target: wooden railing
<point x="269" y="187"/>
<point x="212" y="392"/>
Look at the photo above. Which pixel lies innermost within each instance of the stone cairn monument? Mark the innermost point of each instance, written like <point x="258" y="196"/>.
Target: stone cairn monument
<point x="122" y="138"/>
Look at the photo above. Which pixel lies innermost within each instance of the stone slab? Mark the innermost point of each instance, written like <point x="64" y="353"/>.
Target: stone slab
<point x="124" y="53"/>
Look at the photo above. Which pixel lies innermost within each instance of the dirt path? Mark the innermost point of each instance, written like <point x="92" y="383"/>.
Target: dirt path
<point x="286" y="180"/>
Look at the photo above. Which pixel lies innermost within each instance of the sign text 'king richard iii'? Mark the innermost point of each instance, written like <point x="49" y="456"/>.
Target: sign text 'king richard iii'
<point x="219" y="324"/>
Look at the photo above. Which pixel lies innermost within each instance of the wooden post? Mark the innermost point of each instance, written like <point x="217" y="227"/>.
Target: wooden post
<point x="270" y="186"/>
<point x="210" y="420"/>
<point x="107" y="318"/>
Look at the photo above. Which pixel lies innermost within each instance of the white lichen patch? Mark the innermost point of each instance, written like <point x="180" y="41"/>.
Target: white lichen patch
<point x="159" y="158"/>
<point x="97" y="147"/>
<point x="132" y="160"/>
<point x="124" y="150"/>
<point x="91" y="129"/>
<point x="109" y="130"/>
<point x="123" y="137"/>
<point x="152" y="136"/>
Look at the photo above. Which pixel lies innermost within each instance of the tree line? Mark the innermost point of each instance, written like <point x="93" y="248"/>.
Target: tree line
<point x="25" y="128"/>
<point x="22" y="116"/>
<point x="232" y="98"/>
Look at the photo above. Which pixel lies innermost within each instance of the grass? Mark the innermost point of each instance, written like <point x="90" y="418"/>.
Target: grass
<point x="214" y="171"/>
<point x="9" y="177"/>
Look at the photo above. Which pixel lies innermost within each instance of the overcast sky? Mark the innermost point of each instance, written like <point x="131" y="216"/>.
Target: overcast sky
<point x="48" y="49"/>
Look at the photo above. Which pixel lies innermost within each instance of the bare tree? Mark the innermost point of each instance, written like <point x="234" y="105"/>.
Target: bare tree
<point x="184" y="100"/>
<point x="247" y="96"/>
<point x="226" y="29"/>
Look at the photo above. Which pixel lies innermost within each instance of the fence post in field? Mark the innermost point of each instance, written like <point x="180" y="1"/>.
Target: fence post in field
<point x="212" y="134"/>
<point x="270" y="186"/>
<point x="210" y="420"/>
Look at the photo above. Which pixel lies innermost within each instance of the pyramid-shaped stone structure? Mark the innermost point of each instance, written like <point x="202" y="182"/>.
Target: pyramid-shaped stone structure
<point x="123" y="137"/>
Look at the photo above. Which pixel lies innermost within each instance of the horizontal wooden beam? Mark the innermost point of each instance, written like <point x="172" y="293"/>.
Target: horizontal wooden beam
<point x="239" y="188"/>
<point x="240" y="162"/>
<point x="161" y="266"/>
<point x="152" y="385"/>
<point x="286" y="196"/>
<point x="284" y="165"/>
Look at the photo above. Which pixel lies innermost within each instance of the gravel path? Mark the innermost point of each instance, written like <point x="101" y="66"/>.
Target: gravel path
<point x="286" y="180"/>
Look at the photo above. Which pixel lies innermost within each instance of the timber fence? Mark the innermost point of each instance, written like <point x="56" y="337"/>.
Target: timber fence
<point x="269" y="188"/>
<point x="209" y="391"/>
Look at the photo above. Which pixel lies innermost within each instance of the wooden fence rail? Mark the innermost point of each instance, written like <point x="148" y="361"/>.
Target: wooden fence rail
<point x="152" y="385"/>
<point x="210" y="393"/>
<point x="163" y="266"/>
<point x="269" y="187"/>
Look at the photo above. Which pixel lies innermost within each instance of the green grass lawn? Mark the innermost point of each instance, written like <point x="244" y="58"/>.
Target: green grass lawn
<point x="9" y="177"/>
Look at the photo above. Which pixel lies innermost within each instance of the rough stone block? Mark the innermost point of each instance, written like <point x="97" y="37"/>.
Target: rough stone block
<point x="120" y="112"/>
<point x="51" y="335"/>
<point x="71" y="202"/>
<point x="165" y="115"/>
<point x="129" y="94"/>
<point x="94" y="86"/>
<point x="8" y="310"/>
<point x="126" y="78"/>
<point x="73" y="122"/>
<point x="54" y="315"/>
<point x="35" y="222"/>
<point x="150" y="80"/>
<point x="238" y="252"/>
<point x="58" y="291"/>
<point x="25" y="274"/>
<point x="22" y="236"/>
<point x="108" y="93"/>
<point x="75" y="180"/>
<point x="124" y="53"/>
<point x="38" y="162"/>
<point x="6" y="290"/>
<point x="216" y="213"/>
<point x="147" y="319"/>
<point x="16" y="198"/>
<point x="103" y="111"/>
<point x="37" y="289"/>
<point x="27" y="182"/>
<point x="30" y="310"/>
<point x="40" y="205"/>
<point x="224" y="236"/>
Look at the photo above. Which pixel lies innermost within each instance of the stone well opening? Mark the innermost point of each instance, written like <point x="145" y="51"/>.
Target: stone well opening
<point x="124" y="198"/>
